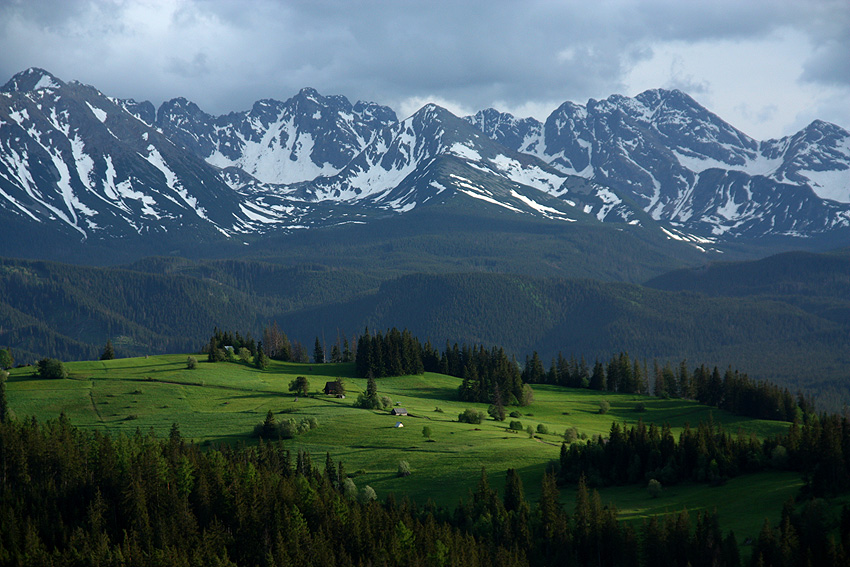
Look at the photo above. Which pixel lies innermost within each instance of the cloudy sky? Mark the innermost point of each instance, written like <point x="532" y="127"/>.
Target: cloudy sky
<point x="767" y="67"/>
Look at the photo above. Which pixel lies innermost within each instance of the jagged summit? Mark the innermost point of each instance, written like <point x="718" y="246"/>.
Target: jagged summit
<point x="31" y="79"/>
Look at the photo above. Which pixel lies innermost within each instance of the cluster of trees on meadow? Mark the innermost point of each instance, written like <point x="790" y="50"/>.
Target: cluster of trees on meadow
<point x="489" y="376"/>
<point x="228" y="345"/>
<point x="819" y="448"/>
<point x="73" y="497"/>
<point x="733" y="391"/>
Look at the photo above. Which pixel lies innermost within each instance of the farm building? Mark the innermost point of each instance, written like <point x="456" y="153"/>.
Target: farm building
<point x="399" y="424"/>
<point x="398" y="411"/>
<point x="334" y="388"/>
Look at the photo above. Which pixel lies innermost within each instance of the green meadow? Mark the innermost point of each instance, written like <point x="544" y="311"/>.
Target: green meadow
<point x="221" y="403"/>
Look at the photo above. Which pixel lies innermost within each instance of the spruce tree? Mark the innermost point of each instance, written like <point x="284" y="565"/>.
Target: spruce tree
<point x="108" y="351"/>
<point x="261" y="361"/>
<point x="598" y="380"/>
<point x="318" y="352"/>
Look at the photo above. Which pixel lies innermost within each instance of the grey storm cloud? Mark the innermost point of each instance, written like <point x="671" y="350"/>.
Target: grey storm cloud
<point x="225" y="54"/>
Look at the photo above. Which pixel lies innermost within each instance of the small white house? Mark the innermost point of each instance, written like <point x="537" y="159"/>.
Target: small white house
<point x="399" y="424"/>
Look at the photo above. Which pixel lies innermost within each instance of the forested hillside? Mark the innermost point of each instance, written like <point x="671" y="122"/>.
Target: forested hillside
<point x="785" y="318"/>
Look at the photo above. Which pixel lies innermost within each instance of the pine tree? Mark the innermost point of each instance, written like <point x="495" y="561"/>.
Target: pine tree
<point x="108" y="351"/>
<point x="598" y="380"/>
<point x="261" y="361"/>
<point x="318" y="352"/>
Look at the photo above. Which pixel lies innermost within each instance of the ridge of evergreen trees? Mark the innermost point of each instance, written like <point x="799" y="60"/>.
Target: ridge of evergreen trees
<point x="819" y="448"/>
<point x="732" y="391"/>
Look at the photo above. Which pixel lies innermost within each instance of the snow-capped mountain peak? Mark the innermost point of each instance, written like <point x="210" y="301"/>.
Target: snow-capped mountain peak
<point x="32" y="79"/>
<point x="667" y="153"/>
<point x="80" y="163"/>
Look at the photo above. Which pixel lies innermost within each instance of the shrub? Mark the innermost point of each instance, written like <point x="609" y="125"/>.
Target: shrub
<point x="653" y="488"/>
<point x="640" y="407"/>
<point x="386" y="402"/>
<point x="779" y="457"/>
<point x="191" y="363"/>
<point x="349" y="489"/>
<point x="527" y="395"/>
<point x="366" y="401"/>
<point x="530" y="431"/>
<point x="288" y="429"/>
<point x="471" y="416"/>
<point x="516" y="425"/>
<point x="6" y="358"/>
<point x="542" y="429"/>
<point x="497" y="412"/>
<point x="604" y="406"/>
<point x="367" y="494"/>
<point x="570" y="435"/>
<point x="426" y="431"/>
<point x="403" y="469"/>
<point x="51" y="368"/>
<point x="244" y="355"/>
<point x="516" y="414"/>
<point x="438" y="409"/>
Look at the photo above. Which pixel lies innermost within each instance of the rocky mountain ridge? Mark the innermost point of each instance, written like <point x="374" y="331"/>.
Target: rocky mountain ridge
<point x="78" y="163"/>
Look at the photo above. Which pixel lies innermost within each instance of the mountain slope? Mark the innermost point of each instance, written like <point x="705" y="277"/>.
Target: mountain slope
<point x="71" y="154"/>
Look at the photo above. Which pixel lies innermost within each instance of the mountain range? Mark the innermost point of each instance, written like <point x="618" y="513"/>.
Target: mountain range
<point x="79" y="169"/>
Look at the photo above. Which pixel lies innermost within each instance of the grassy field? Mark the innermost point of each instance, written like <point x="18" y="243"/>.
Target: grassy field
<point x="221" y="403"/>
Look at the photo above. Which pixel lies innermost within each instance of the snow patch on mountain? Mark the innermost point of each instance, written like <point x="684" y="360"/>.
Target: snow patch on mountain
<point x="282" y="155"/>
<point x="531" y="176"/>
<point x="46" y="82"/>
<point x="467" y="187"/>
<point x="173" y="182"/>
<point x="98" y="113"/>
<point x="830" y="184"/>
<point x="548" y="212"/>
<point x="465" y="152"/>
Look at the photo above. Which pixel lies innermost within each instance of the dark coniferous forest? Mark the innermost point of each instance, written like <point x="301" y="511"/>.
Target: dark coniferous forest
<point x="75" y="498"/>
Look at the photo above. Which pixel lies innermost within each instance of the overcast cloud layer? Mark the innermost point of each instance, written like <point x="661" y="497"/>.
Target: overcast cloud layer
<point x="767" y="67"/>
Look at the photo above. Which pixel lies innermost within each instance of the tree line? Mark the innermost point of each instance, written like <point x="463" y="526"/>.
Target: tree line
<point x="819" y="448"/>
<point x="491" y="376"/>
<point x="732" y="390"/>
<point x="227" y="345"/>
